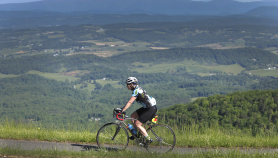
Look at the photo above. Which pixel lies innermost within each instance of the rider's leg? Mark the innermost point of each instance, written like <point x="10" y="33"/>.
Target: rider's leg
<point x="134" y="115"/>
<point x="138" y="125"/>
<point x="141" y="128"/>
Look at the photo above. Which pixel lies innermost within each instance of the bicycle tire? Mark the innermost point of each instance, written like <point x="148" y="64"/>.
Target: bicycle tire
<point x="112" y="137"/>
<point x="164" y="139"/>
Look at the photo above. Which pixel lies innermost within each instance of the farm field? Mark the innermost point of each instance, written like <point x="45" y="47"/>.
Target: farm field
<point x="188" y="66"/>
<point x="54" y="76"/>
<point x="265" y="72"/>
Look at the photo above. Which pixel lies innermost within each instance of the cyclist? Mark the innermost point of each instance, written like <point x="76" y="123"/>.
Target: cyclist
<point x="143" y="114"/>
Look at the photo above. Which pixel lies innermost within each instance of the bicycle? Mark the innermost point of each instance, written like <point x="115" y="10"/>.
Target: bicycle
<point x="114" y="135"/>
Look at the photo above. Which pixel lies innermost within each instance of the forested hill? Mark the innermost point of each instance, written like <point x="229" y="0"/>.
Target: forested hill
<point x="244" y="110"/>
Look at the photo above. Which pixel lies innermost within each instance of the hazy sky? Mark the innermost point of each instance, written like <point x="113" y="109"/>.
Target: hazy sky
<point x="235" y="0"/>
<point x="22" y="1"/>
<point x="16" y="1"/>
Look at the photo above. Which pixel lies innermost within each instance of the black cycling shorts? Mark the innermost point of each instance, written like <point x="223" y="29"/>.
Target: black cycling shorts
<point x="146" y="114"/>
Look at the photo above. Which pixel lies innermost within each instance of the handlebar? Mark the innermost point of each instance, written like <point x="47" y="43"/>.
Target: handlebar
<point x="119" y="113"/>
<point x="121" y="119"/>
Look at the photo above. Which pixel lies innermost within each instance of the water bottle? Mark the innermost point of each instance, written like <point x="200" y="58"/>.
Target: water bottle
<point x="133" y="130"/>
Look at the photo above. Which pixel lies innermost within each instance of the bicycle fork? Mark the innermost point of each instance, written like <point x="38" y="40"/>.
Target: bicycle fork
<point x="116" y="132"/>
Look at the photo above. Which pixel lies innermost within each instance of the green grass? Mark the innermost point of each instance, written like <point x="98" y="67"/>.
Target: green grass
<point x="228" y="69"/>
<point x="21" y="131"/>
<point x="189" y="136"/>
<point x="6" y="76"/>
<point x="90" y="87"/>
<point x="57" y="36"/>
<point x="63" y="77"/>
<point x="115" y="84"/>
<point x="213" y="139"/>
<point x="113" y="46"/>
<point x="191" y="67"/>
<point x="274" y="50"/>
<point x="6" y="152"/>
<point x="158" y="68"/>
<point x="193" y="99"/>
<point x="54" y="76"/>
<point x="264" y="72"/>
<point x="161" y="68"/>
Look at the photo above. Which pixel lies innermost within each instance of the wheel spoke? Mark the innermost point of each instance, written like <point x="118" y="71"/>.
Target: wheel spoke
<point x="112" y="136"/>
<point x="164" y="139"/>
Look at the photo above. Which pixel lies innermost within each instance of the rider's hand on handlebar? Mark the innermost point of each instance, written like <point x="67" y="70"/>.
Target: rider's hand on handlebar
<point x="123" y="112"/>
<point x="119" y="110"/>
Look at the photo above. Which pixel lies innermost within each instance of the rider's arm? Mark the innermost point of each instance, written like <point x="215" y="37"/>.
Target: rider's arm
<point x="128" y="104"/>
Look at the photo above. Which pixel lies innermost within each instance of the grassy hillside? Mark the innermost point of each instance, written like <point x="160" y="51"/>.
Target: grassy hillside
<point x="240" y="119"/>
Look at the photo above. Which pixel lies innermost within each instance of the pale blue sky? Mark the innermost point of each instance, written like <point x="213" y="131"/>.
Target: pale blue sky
<point x="16" y="1"/>
<point x="235" y="0"/>
<point x="23" y="1"/>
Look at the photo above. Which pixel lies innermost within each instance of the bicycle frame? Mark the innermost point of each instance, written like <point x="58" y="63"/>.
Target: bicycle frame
<point x="160" y="142"/>
<point x="122" y="121"/>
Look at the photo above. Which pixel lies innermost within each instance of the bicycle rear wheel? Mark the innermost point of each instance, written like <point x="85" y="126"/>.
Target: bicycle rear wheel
<point x="164" y="139"/>
<point x="112" y="136"/>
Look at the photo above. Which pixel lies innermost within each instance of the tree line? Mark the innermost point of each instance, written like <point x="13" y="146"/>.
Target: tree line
<point x="253" y="109"/>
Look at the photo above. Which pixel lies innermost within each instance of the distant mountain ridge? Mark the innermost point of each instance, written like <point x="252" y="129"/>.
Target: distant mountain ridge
<point x="169" y="7"/>
<point x="265" y="11"/>
<point x="33" y="19"/>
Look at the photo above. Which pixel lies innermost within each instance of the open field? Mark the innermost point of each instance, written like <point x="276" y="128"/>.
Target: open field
<point x="89" y="87"/>
<point x="274" y="50"/>
<point x="191" y="67"/>
<point x="55" y="76"/>
<point x="265" y="72"/>
<point x="112" y="47"/>
<point x="5" y="76"/>
<point x="203" y="70"/>
<point x="115" y="84"/>
<point x="222" y="46"/>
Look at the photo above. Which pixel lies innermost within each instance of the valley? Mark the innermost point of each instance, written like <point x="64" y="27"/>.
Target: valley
<point x="86" y="66"/>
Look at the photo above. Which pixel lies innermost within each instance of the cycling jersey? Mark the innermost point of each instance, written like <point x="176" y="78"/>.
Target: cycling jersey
<point x="143" y="98"/>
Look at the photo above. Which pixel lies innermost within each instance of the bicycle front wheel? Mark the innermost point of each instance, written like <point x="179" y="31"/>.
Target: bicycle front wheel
<point x="164" y="139"/>
<point x="112" y="136"/>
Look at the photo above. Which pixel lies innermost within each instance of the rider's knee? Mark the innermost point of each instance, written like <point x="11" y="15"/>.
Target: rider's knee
<point x="138" y="123"/>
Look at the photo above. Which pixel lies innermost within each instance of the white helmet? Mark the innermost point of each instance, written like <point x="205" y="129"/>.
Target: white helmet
<point x="131" y="80"/>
